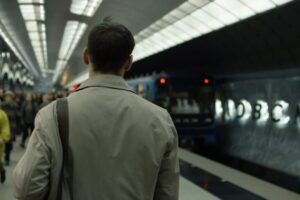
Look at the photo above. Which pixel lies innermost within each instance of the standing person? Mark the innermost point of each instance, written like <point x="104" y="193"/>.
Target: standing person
<point x="28" y="112"/>
<point x="4" y="137"/>
<point x="121" y="146"/>
<point x="11" y="109"/>
<point x="18" y="102"/>
<point x="45" y="102"/>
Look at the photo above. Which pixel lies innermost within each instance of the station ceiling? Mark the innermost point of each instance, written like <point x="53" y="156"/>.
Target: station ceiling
<point x="135" y="14"/>
<point x="250" y="44"/>
<point x="267" y="44"/>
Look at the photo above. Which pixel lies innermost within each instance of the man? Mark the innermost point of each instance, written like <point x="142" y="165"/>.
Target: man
<point x="4" y="138"/>
<point x="120" y="145"/>
<point x="11" y="109"/>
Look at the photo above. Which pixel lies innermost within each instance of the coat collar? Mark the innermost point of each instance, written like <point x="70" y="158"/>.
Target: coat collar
<point x="106" y="80"/>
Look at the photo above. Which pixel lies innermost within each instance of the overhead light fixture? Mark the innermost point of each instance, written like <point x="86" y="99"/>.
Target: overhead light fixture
<point x="5" y="36"/>
<point x="31" y="1"/>
<point x="74" y="31"/>
<point x="33" y="12"/>
<point x="85" y="7"/>
<point x="194" y="18"/>
<point x="80" y="7"/>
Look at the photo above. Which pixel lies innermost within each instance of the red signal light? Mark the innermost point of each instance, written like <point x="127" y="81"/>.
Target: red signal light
<point x="162" y="81"/>
<point x="75" y="87"/>
<point x="206" y="81"/>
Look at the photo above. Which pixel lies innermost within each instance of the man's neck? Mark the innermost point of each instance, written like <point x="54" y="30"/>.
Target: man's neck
<point x="95" y="73"/>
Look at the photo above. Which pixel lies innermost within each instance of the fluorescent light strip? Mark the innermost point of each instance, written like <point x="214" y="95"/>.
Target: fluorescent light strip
<point x="12" y="46"/>
<point x="194" y="18"/>
<point x="33" y="12"/>
<point x="79" y="7"/>
<point x="74" y="31"/>
<point x="31" y="1"/>
<point x="85" y="7"/>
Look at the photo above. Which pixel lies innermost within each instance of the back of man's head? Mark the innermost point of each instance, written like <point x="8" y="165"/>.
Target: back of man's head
<point x="110" y="45"/>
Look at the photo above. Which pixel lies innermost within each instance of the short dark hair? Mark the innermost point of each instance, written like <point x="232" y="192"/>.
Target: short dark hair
<point x="110" y="45"/>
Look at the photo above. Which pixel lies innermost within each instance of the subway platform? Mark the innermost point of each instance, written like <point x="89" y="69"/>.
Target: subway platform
<point x="201" y="179"/>
<point x="188" y="190"/>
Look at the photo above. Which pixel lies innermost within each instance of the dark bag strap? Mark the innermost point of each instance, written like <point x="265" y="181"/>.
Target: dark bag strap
<point x="62" y="111"/>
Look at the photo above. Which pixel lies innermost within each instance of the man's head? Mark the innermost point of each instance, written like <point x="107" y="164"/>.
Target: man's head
<point x="109" y="48"/>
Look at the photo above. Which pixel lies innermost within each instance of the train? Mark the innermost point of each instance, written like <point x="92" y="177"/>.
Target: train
<point x="190" y="100"/>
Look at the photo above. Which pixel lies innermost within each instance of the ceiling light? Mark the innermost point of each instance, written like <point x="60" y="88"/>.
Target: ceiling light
<point x="74" y="31"/>
<point x="237" y="8"/>
<point x="5" y="36"/>
<point x="32" y="26"/>
<point x="85" y="7"/>
<point x="30" y="1"/>
<point x="280" y="2"/>
<point x="207" y="19"/>
<point x="33" y="12"/>
<point x="220" y="13"/>
<point x="199" y="3"/>
<point x="259" y="5"/>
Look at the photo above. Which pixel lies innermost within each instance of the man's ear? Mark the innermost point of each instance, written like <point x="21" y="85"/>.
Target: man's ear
<point x="128" y="64"/>
<point x="85" y="56"/>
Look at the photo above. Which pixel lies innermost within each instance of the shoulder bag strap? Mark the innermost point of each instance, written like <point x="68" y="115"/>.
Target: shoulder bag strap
<point x="62" y="110"/>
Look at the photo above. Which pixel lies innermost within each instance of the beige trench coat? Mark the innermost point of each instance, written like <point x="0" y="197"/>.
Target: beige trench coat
<point x="122" y="147"/>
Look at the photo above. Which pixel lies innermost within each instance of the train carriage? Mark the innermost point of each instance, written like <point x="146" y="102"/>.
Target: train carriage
<point x="188" y="98"/>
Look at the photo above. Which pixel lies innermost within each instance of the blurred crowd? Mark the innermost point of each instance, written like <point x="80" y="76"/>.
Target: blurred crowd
<point x="18" y="110"/>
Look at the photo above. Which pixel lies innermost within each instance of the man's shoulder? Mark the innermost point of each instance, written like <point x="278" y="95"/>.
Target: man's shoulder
<point x="47" y="112"/>
<point x="151" y="106"/>
<point x="153" y="111"/>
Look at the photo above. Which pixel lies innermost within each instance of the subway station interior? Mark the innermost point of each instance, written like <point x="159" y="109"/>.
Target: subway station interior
<point x="227" y="71"/>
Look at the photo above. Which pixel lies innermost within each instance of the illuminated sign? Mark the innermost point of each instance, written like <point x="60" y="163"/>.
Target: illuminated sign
<point x="230" y="110"/>
<point x="259" y="111"/>
<point x="244" y="110"/>
<point x="279" y="113"/>
<point x="219" y="109"/>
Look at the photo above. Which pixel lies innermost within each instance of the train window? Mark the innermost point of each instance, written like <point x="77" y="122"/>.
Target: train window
<point x="188" y="98"/>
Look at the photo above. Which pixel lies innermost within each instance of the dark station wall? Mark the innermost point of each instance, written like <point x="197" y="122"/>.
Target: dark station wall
<point x="273" y="143"/>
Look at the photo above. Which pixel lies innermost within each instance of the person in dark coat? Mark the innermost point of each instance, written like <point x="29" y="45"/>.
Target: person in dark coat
<point x="28" y="111"/>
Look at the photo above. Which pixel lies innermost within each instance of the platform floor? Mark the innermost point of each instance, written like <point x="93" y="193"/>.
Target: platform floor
<point x="188" y="190"/>
<point x="6" y="189"/>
